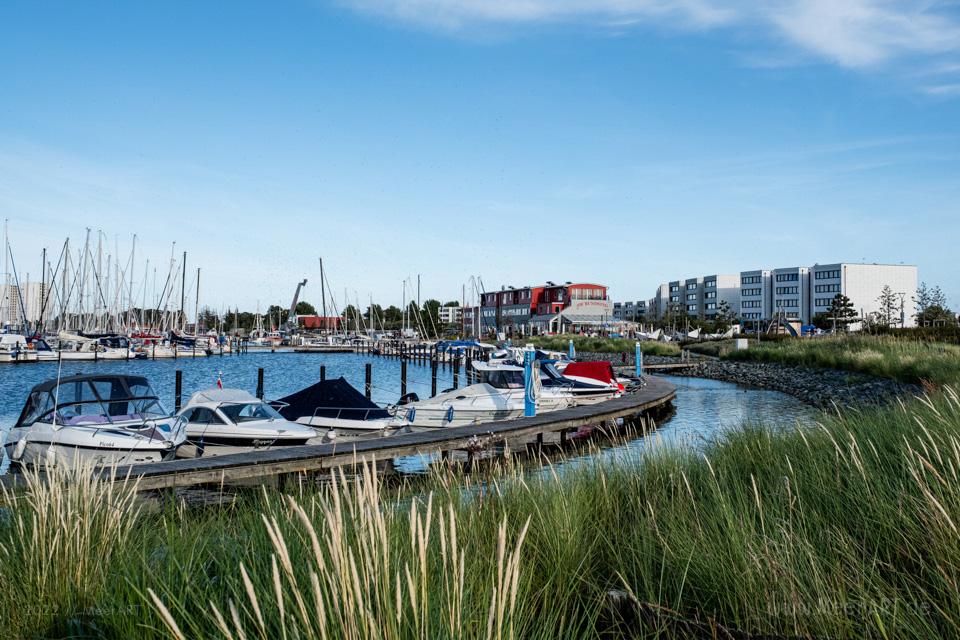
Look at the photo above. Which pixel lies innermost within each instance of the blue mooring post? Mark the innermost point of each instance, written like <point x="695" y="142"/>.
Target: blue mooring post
<point x="638" y="360"/>
<point x="529" y="398"/>
<point x="571" y="351"/>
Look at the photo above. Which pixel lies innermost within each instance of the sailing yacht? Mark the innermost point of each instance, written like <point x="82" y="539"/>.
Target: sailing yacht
<point x="106" y="347"/>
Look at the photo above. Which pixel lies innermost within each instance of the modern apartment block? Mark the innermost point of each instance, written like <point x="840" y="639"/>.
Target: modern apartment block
<point x="693" y="297"/>
<point x="756" y="296"/>
<point x="718" y="289"/>
<point x="791" y="293"/>
<point x="862" y="283"/>
<point x="630" y="311"/>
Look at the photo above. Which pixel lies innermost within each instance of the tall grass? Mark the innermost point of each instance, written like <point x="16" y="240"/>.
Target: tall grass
<point x="845" y="530"/>
<point x="907" y="360"/>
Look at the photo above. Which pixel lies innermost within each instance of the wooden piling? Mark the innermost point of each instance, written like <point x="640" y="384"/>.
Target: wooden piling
<point x="177" y="390"/>
<point x="260" y="383"/>
<point x="368" y="385"/>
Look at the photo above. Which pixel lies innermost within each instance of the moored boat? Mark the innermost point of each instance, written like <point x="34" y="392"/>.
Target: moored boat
<point x="93" y="420"/>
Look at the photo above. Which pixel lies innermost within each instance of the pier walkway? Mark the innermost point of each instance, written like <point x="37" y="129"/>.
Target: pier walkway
<point x="227" y="469"/>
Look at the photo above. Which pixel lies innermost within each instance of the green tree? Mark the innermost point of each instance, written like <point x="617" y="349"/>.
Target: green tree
<point x="889" y="303"/>
<point x="304" y="308"/>
<point x="840" y="313"/>
<point x="392" y="318"/>
<point x="725" y="317"/>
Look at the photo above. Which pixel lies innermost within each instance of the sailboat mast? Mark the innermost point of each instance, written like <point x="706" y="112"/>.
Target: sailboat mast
<point x="323" y="295"/>
<point x="196" y="307"/>
<point x="183" y="291"/>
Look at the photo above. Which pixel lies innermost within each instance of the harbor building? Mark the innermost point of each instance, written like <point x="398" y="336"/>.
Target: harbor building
<point x="756" y="296"/>
<point x="548" y="308"/>
<point x="451" y="315"/>
<point x="863" y="284"/>
<point x="717" y="289"/>
<point x="692" y="297"/>
<point x="630" y="311"/>
<point x="791" y="293"/>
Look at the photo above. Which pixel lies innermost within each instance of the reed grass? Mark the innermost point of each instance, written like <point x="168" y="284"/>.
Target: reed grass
<point x="848" y="529"/>
<point x="904" y="359"/>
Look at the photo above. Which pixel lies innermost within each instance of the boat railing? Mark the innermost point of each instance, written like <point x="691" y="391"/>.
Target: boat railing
<point x="340" y="411"/>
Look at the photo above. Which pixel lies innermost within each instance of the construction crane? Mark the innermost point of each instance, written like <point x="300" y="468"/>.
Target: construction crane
<point x="291" y="322"/>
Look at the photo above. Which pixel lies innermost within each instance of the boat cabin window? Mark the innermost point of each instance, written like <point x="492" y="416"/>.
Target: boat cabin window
<point x="86" y="402"/>
<point x="504" y="379"/>
<point x="202" y="415"/>
<point x="250" y="411"/>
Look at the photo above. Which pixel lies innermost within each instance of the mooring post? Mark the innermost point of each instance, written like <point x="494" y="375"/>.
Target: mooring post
<point x="468" y="369"/>
<point x="529" y="395"/>
<point x="456" y="371"/>
<point x="638" y="359"/>
<point x="433" y="377"/>
<point x="323" y="372"/>
<point x="177" y="390"/>
<point x="260" y="383"/>
<point x="403" y="378"/>
<point x="368" y="386"/>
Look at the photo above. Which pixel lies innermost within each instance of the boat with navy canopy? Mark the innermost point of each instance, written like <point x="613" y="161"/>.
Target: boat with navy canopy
<point x="93" y="420"/>
<point x="340" y="412"/>
<point x="223" y="421"/>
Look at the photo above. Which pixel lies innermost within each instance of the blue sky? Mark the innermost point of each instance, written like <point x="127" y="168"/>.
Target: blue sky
<point x="621" y="141"/>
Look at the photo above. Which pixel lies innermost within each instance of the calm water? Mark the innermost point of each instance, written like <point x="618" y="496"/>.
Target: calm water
<point x="704" y="407"/>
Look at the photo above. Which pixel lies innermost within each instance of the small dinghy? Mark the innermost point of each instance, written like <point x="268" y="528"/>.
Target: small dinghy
<point x="340" y="412"/>
<point x="93" y="420"/>
<point x="223" y="421"/>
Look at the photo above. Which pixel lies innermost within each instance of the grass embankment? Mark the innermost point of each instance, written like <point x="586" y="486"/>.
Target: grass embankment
<point x="902" y="359"/>
<point x="844" y="531"/>
<point x="601" y="345"/>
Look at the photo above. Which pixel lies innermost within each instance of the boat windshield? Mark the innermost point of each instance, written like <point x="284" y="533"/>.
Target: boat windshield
<point x="93" y="401"/>
<point x="503" y="378"/>
<point x="249" y="412"/>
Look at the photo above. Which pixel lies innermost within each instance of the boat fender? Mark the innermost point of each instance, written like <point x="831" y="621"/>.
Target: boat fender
<point x="412" y="414"/>
<point x="449" y="414"/>
<point x="408" y="398"/>
<point x="19" y="449"/>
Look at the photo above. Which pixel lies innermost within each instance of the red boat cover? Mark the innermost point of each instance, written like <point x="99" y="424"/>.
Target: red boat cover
<point x="600" y="370"/>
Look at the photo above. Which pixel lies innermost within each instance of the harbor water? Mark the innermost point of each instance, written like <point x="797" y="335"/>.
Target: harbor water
<point x="704" y="408"/>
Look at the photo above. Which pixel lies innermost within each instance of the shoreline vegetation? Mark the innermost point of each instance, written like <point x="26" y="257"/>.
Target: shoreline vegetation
<point x="847" y="529"/>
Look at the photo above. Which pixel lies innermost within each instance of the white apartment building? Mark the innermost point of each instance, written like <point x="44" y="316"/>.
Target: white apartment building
<point x="692" y="297"/>
<point x="718" y="289"/>
<point x="451" y="315"/>
<point x="756" y="296"/>
<point x="791" y="293"/>
<point x="862" y="284"/>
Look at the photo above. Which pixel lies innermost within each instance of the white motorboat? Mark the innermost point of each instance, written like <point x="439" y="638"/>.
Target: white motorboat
<point x="340" y="412"/>
<point x="14" y="348"/>
<point x="498" y="396"/>
<point x="93" y="420"/>
<point x="78" y="347"/>
<point x="223" y="421"/>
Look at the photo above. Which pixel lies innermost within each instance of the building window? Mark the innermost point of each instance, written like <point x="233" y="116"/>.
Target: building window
<point x="783" y="290"/>
<point x="827" y="275"/>
<point x="710" y="306"/>
<point x="750" y="280"/>
<point x="710" y="295"/>
<point x="692" y="308"/>
<point x="691" y="296"/>
<point x="709" y="284"/>
<point x="827" y="288"/>
<point x="674" y="288"/>
<point x="788" y="303"/>
<point x="750" y="292"/>
<point x="674" y="298"/>
<point x="691" y="286"/>
<point x="823" y="302"/>
<point x="788" y="277"/>
<point x="750" y="304"/>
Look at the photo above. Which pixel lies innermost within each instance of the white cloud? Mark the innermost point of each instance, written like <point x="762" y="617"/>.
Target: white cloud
<point x="943" y="89"/>
<point x="850" y="33"/>
<point x="856" y="33"/>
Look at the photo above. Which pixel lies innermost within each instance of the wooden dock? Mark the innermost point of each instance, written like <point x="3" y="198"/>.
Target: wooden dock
<point x="477" y="438"/>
